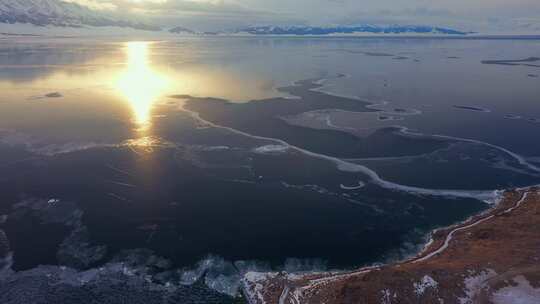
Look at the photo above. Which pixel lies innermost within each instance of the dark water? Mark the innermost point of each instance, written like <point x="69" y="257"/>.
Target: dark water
<point x="350" y="151"/>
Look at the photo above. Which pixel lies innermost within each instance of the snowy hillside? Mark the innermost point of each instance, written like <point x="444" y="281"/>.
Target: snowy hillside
<point x="59" y="13"/>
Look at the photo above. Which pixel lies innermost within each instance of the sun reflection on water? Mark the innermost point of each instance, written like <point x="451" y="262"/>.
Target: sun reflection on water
<point x="140" y="83"/>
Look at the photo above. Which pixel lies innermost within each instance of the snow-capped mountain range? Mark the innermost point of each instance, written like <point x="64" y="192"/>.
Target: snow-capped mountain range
<point x="356" y="29"/>
<point x="60" y="13"/>
<point x="46" y="17"/>
<point x="326" y="31"/>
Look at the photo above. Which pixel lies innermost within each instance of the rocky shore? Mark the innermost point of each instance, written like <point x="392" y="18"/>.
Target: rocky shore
<point x="493" y="257"/>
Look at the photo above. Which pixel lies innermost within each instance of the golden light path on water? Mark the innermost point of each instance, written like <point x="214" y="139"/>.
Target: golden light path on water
<point x="140" y="84"/>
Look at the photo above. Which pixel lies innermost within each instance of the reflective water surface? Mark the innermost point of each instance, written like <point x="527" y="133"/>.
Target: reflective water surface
<point x="216" y="156"/>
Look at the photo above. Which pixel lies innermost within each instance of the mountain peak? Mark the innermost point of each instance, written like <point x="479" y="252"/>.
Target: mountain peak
<point x="60" y="13"/>
<point x="182" y="30"/>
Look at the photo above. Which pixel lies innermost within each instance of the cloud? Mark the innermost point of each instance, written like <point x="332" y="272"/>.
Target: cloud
<point x="94" y="4"/>
<point x="170" y="6"/>
<point x="205" y="13"/>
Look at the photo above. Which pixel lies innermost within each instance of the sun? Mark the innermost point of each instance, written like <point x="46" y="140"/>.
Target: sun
<point x="139" y="83"/>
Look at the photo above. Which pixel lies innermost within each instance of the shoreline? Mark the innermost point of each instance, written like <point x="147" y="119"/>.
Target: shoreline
<point x="314" y="287"/>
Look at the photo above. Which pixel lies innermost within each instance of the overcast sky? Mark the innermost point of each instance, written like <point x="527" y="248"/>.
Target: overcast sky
<point x="209" y="14"/>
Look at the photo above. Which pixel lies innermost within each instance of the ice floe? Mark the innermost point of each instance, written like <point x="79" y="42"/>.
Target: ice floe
<point x="53" y="201"/>
<point x="512" y="116"/>
<point x="48" y="95"/>
<point x="5" y="265"/>
<point x="472" y="108"/>
<point x="221" y="275"/>
<point x="271" y="149"/>
<point x="76" y="250"/>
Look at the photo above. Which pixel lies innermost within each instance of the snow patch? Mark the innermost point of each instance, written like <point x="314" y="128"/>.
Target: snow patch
<point x="474" y="284"/>
<point x="253" y="285"/>
<point x="426" y="283"/>
<point x="522" y="293"/>
<point x="387" y="296"/>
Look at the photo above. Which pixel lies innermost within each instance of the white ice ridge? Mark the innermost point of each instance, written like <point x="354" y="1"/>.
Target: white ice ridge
<point x="484" y="195"/>
<point x="356" y="187"/>
<point x="405" y="130"/>
<point x="271" y="149"/>
<point x="520" y="159"/>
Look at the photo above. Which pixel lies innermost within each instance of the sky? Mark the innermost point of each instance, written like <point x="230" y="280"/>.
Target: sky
<point x="213" y="14"/>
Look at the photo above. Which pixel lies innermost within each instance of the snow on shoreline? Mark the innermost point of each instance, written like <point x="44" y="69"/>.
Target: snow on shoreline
<point x="253" y="288"/>
<point x="473" y="283"/>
